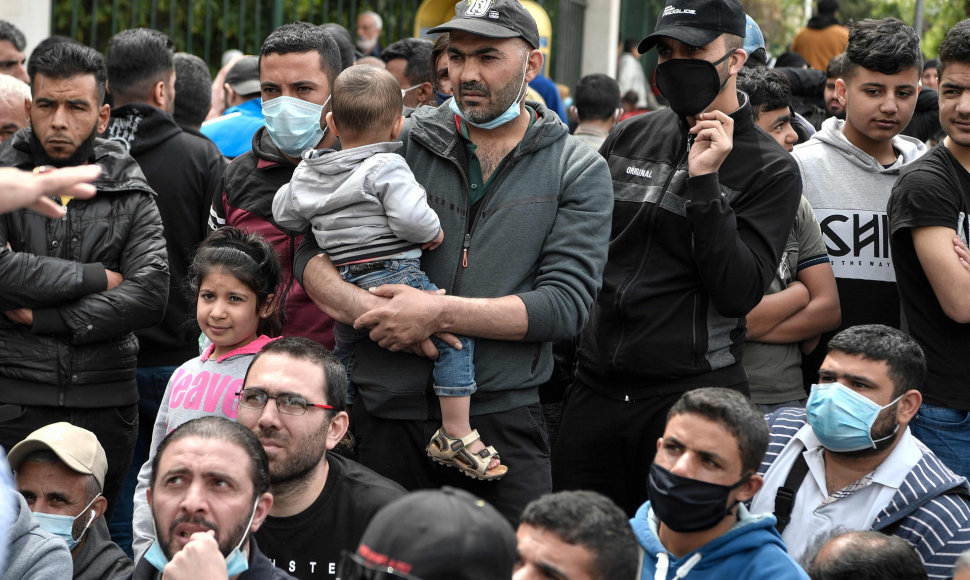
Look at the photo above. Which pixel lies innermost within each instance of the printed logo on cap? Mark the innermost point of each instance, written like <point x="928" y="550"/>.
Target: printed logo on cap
<point x="672" y="10"/>
<point x="479" y="8"/>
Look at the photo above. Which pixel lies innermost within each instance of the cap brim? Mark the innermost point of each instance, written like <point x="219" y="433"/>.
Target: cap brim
<point x="246" y="87"/>
<point x="479" y="27"/>
<point x="21" y="450"/>
<point x="687" y="34"/>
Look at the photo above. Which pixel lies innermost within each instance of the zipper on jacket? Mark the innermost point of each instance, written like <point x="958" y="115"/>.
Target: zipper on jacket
<point x="464" y="250"/>
<point x="646" y="251"/>
<point x="470" y="227"/>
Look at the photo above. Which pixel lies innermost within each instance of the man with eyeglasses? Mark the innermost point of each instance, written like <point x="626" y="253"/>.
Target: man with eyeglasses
<point x="293" y="400"/>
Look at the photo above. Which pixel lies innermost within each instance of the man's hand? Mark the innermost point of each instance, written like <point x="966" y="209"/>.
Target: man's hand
<point x="435" y="242"/>
<point x="114" y="278"/>
<point x="713" y="140"/>
<point x="23" y="316"/>
<point x="962" y="252"/>
<point x="34" y="190"/>
<point x="410" y="317"/>
<point x="200" y="558"/>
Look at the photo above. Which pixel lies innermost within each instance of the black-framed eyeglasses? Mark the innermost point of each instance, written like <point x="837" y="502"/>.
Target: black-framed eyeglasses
<point x="352" y="566"/>
<point x="285" y="404"/>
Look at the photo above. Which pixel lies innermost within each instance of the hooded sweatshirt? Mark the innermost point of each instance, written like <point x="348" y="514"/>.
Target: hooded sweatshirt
<point x="34" y="553"/>
<point x="849" y="191"/>
<point x="750" y="550"/>
<point x="363" y="203"/>
<point x="201" y="387"/>
<point x="100" y="557"/>
<point x="185" y="171"/>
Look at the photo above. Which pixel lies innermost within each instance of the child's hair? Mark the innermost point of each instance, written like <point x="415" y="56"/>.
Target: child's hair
<point x="366" y="100"/>
<point x="250" y="259"/>
<point x="886" y="46"/>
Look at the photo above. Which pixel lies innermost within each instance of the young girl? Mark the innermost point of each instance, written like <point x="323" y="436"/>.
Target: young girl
<point x="235" y="278"/>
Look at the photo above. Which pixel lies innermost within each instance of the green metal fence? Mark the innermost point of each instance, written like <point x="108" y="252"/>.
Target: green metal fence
<point x="208" y="28"/>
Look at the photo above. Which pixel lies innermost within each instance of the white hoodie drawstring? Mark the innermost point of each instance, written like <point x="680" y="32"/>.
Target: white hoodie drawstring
<point x="663" y="564"/>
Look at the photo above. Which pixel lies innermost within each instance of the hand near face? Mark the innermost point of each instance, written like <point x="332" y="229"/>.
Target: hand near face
<point x="713" y="140"/>
<point x="200" y="558"/>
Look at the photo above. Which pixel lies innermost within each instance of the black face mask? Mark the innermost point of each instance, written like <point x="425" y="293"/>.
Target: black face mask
<point x="690" y="84"/>
<point x="688" y="505"/>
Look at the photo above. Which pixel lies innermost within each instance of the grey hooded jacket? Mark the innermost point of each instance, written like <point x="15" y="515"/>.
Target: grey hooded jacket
<point x="34" y="553"/>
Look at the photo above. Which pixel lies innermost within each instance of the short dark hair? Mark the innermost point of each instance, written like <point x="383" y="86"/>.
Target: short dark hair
<point x="344" y="42"/>
<point x="10" y="32"/>
<point x="767" y="89"/>
<point x="886" y="46"/>
<point x="220" y="428"/>
<point x="590" y="520"/>
<point x="956" y="46"/>
<point x="137" y="59"/>
<point x="365" y="101"/>
<point x="630" y="43"/>
<point x="63" y="60"/>
<point x="304" y="37"/>
<point x="877" y="342"/>
<point x="193" y="89"/>
<point x="834" y="69"/>
<point x="828" y="7"/>
<point x="869" y="555"/>
<point x="439" y="48"/>
<point x="736" y="413"/>
<point x="417" y="53"/>
<point x="596" y="97"/>
<point x="302" y="348"/>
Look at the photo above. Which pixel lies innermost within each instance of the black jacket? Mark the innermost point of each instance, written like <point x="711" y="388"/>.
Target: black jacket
<point x="81" y="349"/>
<point x="689" y="257"/>
<point x="185" y="171"/>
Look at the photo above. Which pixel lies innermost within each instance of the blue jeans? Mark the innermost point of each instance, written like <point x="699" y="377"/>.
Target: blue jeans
<point x="947" y="433"/>
<point x="151" y="388"/>
<point x="454" y="371"/>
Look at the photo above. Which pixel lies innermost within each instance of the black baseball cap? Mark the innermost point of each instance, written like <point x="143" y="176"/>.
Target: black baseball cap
<point x="446" y="534"/>
<point x="697" y="22"/>
<point x="494" y="19"/>
<point x="243" y="77"/>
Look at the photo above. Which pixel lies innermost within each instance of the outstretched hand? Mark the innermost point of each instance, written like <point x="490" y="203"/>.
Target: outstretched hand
<point x="23" y="189"/>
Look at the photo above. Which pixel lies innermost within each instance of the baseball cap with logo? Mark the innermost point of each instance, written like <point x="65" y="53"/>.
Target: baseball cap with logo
<point x="243" y="77"/>
<point x="78" y="448"/>
<point x="446" y="534"/>
<point x="494" y="19"/>
<point x="697" y="22"/>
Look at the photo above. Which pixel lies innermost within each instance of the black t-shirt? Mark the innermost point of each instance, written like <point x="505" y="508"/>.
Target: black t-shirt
<point x="308" y="545"/>
<point x="933" y="191"/>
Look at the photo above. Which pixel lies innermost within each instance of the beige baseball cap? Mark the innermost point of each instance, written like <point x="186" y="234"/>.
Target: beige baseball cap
<point x="78" y="448"/>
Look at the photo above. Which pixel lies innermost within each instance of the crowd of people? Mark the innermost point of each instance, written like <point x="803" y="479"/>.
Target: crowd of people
<point x="361" y="311"/>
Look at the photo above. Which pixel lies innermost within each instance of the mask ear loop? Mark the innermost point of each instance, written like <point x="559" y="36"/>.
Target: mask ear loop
<point x="251" y="518"/>
<point x="323" y="115"/>
<point x="90" y="519"/>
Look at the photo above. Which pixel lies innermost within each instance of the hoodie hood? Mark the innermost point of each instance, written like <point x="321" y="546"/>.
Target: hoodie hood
<point x="140" y="127"/>
<point x="267" y="151"/>
<point x="332" y="162"/>
<point x="723" y="557"/>
<point x="907" y="148"/>
<point x="100" y="557"/>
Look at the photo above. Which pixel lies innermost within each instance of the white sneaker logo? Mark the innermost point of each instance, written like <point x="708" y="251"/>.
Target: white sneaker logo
<point x="477" y="8"/>
<point x="671" y="11"/>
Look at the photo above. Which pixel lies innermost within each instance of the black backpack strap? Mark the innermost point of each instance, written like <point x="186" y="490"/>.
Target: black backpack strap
<point x="785" y="498"/>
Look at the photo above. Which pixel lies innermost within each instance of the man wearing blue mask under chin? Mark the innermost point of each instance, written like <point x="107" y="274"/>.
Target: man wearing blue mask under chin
<point x="208" y="494"/>
<point x="298" y="63"/>
<point x="60" y="471"/>
<point x="849" y="461"/>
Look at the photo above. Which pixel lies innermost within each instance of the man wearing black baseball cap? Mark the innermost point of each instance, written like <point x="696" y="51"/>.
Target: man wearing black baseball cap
<point x="703" y="203"/>
<point x="525" y="209"/>
<point x="233" y="131"/>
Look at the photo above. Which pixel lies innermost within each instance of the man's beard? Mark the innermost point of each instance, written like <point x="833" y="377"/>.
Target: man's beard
<point x="505" y="96"/>
<point x="294" y="471"/>
<point x="82" y="155"/>
<point x="366" y="45"/>
<point x="885" y="427"/>
<point x="226" y="542"/>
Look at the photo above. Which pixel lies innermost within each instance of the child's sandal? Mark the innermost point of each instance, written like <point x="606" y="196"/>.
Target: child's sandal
<point x="454" y="452"/>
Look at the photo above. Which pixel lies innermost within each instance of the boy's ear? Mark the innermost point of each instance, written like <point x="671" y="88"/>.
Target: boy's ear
<point x="397" y="127"/>
<point x="331" y="126"/>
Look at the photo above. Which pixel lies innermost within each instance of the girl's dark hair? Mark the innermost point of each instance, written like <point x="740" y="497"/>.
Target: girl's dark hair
<point x="250" y="259"/>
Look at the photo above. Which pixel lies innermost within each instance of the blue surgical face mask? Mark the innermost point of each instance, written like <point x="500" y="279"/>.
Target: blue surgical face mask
<point x="294" y="124"/>
<point x="63" y="526"/>
<point x="236" y="562"/>
<point x="842" y="419"/>
<point x="510" y="114"/>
